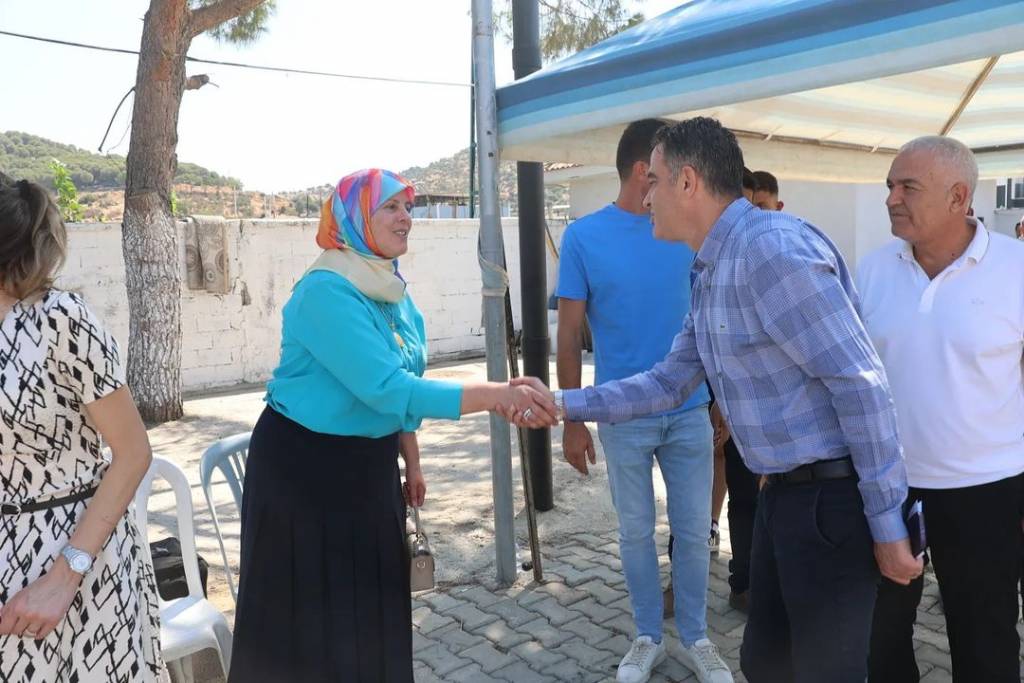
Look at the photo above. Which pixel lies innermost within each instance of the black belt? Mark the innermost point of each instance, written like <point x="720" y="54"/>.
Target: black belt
<point x="822" y="470"/>
<point x="34" y="506"/>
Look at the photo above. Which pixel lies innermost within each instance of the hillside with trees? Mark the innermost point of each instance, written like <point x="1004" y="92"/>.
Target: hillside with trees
<point x="99" y="180"/>
<point x="451" y="176"/>
<point x="28" y="156"/>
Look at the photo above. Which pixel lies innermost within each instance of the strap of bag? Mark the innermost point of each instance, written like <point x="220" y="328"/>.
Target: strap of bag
<point x="416" y="518"/>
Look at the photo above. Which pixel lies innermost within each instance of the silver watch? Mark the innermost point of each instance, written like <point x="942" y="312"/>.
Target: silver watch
<point x="559" y="402"/>
<point x="79" y="560"/>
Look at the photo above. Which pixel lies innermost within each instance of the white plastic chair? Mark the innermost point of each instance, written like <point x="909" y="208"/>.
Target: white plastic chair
<point x="191" y="623"/>
<point x="227" y="455"/>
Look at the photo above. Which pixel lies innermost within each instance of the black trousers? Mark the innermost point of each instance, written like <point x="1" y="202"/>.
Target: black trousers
<point x="974" y="538"/>
<point x="742" y="485"/>
<point x="324" y="590"/>
<point x="813" y="581"/>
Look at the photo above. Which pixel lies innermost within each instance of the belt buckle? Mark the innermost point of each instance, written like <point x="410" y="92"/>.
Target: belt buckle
<point x="10" y="508"/>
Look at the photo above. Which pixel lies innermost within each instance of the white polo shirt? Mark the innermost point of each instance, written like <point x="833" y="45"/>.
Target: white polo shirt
<point x="953" y="349"/>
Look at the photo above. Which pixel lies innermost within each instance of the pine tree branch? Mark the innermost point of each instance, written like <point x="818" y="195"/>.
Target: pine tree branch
<point x="211" y="16"/>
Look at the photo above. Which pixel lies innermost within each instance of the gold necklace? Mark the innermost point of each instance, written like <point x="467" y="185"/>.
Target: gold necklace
<point x="390" y="319"/>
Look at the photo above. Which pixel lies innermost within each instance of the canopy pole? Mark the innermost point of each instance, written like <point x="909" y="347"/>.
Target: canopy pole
<point x="495" y="283"/>
<point x="533" y="287"/>
<point x="969" y="95"/>
<point x="472" y="132"/>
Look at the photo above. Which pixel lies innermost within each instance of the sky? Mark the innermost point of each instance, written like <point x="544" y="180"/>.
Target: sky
<point x="273" y="131"/>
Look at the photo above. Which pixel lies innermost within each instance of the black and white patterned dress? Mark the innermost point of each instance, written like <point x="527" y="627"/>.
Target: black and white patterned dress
<point x="55" y="357"/>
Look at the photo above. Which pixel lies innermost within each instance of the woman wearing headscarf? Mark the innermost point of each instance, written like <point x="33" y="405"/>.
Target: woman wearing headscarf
<point x="324" y="589"/>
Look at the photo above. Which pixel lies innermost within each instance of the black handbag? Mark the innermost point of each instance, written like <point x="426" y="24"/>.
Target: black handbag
<point x="169" y="568"/>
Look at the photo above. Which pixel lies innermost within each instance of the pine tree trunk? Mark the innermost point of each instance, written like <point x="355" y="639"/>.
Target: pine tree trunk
<point x="149" y="235"/>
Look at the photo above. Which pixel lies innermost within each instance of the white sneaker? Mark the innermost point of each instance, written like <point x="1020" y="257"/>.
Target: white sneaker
<point x="702" y="658"/>
<point x="641" y="659"/>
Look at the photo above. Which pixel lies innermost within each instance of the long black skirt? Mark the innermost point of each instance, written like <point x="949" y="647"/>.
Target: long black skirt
<point x="324" y="588"/>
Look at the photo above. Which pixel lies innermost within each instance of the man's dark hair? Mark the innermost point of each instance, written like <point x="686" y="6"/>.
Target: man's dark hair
<point x="748" y="180"/>
<point x="766" y="182"/>
<point x="636" y="144"/>
<point x="709" y="148"/>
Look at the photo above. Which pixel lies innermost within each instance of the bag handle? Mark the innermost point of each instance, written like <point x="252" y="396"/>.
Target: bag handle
<point x="416" y="518"/>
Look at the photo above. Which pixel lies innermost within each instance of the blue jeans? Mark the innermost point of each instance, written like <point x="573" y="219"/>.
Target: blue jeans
<point x="682" y="444"/>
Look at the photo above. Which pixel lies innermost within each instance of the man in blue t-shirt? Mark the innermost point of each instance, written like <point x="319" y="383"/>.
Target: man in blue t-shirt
<point x="635" y="291"/>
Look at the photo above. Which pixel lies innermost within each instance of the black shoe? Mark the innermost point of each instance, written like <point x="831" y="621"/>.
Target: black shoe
<point x="739" y="601"/>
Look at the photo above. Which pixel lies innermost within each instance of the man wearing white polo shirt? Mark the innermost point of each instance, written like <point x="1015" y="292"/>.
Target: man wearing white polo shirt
<point x="944" y="306"/>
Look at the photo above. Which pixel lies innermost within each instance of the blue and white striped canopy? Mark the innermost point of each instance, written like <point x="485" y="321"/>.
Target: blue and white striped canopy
<point x="854" y="78"/>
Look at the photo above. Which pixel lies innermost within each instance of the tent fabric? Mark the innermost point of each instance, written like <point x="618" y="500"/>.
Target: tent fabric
<point x="867" y="74"/>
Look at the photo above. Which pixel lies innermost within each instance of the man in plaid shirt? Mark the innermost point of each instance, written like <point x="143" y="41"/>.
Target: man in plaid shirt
<point x="774" y="328"/>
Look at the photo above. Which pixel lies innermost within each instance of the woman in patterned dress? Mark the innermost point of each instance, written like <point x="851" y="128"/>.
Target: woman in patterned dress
<point x="77" y="600"/>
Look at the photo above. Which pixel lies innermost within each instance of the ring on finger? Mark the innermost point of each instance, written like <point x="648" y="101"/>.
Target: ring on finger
<point x="527" y="413"/>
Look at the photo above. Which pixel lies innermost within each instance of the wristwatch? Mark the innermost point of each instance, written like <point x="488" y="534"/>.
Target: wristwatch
<point x="559" y="402"/>
<point x="79" y="560"/>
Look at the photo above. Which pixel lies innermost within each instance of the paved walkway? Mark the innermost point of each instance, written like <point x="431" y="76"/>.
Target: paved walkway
<point x="577" y="625"/>
<point x="574" y="627"/>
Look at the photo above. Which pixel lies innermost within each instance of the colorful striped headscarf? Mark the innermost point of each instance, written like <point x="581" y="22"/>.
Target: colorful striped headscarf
<point x="345" y="217"/>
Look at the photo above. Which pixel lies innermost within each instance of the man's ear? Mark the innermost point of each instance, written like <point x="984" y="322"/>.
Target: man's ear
<point x="781" y="204"/>
<point x="687" y="181"/>
<point x="640" y="169"/>
<point x="961" y="198"/>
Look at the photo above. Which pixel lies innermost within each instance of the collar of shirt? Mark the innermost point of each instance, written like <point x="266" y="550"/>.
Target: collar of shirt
<point x="719" y="233"/>
<point x="975" y="249"/>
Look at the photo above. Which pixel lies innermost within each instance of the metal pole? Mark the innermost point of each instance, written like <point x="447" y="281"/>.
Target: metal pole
<point x="532" y="257"/>
<point x="495" y="283"/>
<point x="472" y="137"/>
<point x="524" y="462"/>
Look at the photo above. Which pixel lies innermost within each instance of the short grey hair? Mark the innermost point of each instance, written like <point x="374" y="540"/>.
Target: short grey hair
<point x="709" y="148"/>
<point x="954" y="153"/>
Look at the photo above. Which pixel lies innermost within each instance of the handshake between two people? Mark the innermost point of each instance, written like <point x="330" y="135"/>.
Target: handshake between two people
<point x="527" y="402"/>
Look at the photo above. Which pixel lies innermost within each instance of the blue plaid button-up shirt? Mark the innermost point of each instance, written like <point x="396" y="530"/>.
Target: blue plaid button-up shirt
<point x="773" y="326"/>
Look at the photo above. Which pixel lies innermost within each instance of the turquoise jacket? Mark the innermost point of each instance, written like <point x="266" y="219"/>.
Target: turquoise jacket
<point x="343" y="370"/>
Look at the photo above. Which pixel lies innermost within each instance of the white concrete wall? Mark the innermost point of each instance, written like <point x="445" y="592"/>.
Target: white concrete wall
<point x="235" y="337"/>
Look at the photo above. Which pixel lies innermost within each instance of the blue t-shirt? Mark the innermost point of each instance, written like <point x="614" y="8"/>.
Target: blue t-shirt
<point x="637" y="290"/>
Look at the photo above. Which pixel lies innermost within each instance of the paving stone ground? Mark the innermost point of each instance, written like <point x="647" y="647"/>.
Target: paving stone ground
<point x="577" y="629"/>
<point x="574" y="627"/>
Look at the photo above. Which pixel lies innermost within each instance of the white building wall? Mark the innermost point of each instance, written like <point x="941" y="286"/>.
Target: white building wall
<point x="587" y="195"/>
<point x="1004" y="220"/>
<point x="853" y="215"/>
<point x="985" y="201"/>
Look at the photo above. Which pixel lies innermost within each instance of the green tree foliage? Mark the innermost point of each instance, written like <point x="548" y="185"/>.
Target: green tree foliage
<point x="28" y="156"/>
<point x="245" y="29"/>
<point x="301" y="204"/>
<point x="67" y="195"/>
<point x="568" y="26"/>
